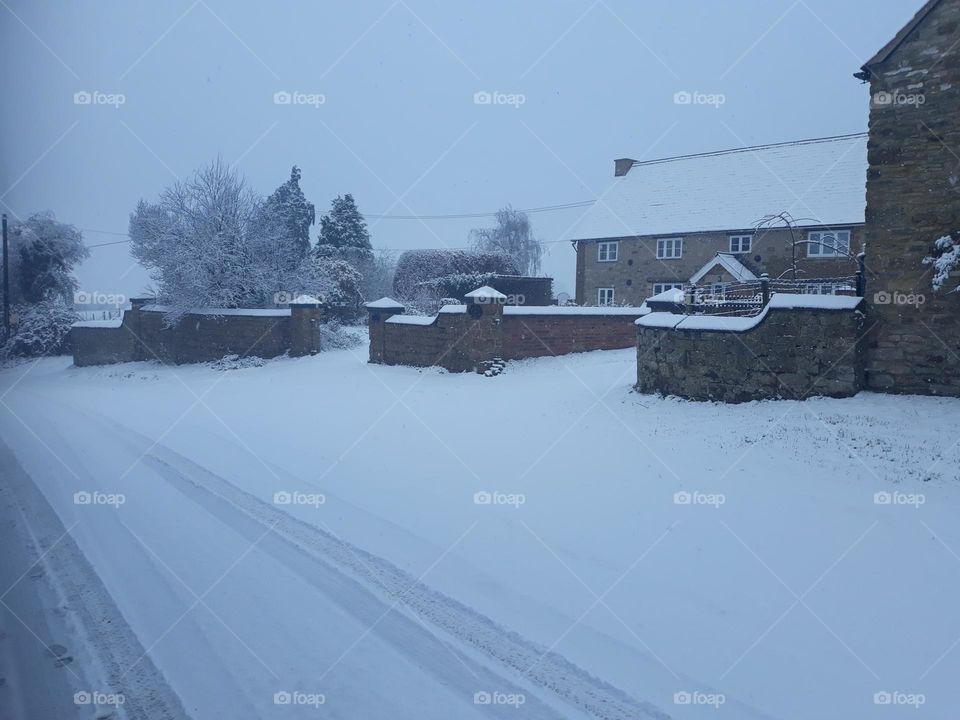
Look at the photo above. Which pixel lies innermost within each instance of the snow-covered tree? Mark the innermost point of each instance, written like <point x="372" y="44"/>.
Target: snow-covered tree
<point x="206" y="243"/>
<point x="294" y="214"/>
<point x="343" y="226"/>
<point x="43" y="254"/>
<point x="42" y="329"/>
<point x="513" y="236"/>
<point x="945" y="260"/>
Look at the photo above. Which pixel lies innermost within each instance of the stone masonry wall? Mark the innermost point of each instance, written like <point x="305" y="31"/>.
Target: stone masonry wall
<point x="142" y="335"/>
<point x="913" y="198"/>
<point x="791" y="353"/>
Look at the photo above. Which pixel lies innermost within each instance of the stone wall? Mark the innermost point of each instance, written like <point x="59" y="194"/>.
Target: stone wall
<point x="198" y="337"/>
<point x="786" y="352"/>
<point x="913" y="198"/>
<point x="461" y="337"/>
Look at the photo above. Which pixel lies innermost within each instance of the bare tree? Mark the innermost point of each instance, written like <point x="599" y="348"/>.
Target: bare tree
<point x="513" y="236"/>
<point x="786" y="220"/>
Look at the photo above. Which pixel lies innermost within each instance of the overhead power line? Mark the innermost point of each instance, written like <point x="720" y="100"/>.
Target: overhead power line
<point x="381" y="216"/>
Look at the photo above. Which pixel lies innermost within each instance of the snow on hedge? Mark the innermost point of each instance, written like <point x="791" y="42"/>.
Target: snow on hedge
<point x="944" y="262"/>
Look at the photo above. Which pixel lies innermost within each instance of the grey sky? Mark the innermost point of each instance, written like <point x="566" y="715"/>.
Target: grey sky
<point x="399" y="118"/>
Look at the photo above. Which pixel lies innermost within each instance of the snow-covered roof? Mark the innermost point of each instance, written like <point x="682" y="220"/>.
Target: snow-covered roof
<point x="384" y="302"/>
<point x="741" y="324"/>
<point x="485" y="293"/>
<point x="674" y="295"/>
<point x="822" y="181"/>
<point x="453" y="309"/>
<point x="729" y="263"/>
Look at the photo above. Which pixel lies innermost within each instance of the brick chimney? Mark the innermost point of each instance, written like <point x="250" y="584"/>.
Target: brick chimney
<point x="622" y="166"/>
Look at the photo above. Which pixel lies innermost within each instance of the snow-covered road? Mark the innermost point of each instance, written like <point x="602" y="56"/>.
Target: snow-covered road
<point x="305" y="540"/>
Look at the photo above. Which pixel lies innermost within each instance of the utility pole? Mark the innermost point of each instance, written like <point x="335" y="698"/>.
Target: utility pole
<point x="6" y="281"/>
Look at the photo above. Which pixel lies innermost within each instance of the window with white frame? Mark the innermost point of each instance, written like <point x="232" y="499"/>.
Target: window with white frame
<point x="834" y="243"/>
<point x="663" y="287"/>
<point x="741" y="243"/>
<point x="608" y="251"/>
<point x="669" y="248"/>
<point x="604" y="296"/>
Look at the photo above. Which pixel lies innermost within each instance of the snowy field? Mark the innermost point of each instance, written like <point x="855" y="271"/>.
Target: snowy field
<point x="321" y="537"/>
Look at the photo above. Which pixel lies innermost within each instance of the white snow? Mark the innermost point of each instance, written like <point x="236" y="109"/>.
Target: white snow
<point x="570" y="310"/>
<point x="673" y="295"/>
<point x="470" y="524"/>
<point x="113" y="323"/>
<point x="384" y="302"/>
<point x="732" y="190"/>
<point x="262" y="312"/>
<point x="412" y="319"/>
<point x="453" y="309"/>
<point x="741" y="324"/>
<point x="485" y="293"/>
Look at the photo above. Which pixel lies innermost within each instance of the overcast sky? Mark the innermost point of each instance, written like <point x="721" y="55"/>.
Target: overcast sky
<point x="399" y="126"/>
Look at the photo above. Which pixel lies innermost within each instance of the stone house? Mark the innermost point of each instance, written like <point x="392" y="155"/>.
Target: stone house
<point x="694" y="218"/>
<point x="913" y="198"/>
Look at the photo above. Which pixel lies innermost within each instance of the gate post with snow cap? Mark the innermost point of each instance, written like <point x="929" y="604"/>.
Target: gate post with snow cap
<point x="485" y="338"/>
<point x="304" y="325"/>
<point x="378" y="312"/>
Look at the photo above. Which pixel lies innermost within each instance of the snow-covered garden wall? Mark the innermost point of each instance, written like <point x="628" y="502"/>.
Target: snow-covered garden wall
<point x="797" y="347"/>
<point x="200" y="336"/>
<point x="461" y="337"/>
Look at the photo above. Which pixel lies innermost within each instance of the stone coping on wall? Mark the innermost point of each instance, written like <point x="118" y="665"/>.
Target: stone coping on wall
<point x="779" y="301"/>
<point x="114" y="323"/>
<point x="573" y="310"/>
<point x="250" y="312"/>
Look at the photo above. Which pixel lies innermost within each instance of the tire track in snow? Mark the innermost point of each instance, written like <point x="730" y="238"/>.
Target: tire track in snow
<point x="548" y="670"/>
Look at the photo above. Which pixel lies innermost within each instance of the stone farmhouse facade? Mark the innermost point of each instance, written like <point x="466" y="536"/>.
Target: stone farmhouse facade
<point x="903" y="336"/>
<point x="668" y="223"/>
<point x="913" y="198"/>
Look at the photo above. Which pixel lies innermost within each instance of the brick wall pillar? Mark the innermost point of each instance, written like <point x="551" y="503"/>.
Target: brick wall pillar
<point x="378" y="312"/>
<point x="484" y="341"/>
<point x="131" y="323"/>
<point x="304" y="328"/>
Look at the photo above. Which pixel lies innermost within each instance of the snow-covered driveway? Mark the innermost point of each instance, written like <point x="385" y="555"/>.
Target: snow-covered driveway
<point x="367" y="541"/>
